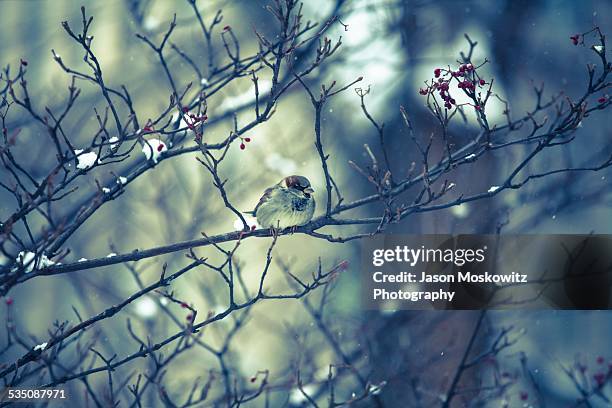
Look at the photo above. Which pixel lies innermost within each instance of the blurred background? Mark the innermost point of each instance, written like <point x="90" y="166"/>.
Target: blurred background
<point x="394" y="45"/>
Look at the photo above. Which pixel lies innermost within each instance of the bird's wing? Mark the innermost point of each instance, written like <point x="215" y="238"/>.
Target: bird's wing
<point x="264" y="198"/>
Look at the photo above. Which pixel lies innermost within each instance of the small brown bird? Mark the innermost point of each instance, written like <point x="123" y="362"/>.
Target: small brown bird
<point x="287" y="204"/>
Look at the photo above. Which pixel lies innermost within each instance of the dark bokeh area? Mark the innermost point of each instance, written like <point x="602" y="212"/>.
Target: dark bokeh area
<point x="279" y="350"/>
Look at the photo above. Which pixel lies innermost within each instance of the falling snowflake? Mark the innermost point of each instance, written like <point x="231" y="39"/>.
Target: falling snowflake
<point x="150" y="23"/>
<point x="145" y="307"/>
<point x="282" y="165"/>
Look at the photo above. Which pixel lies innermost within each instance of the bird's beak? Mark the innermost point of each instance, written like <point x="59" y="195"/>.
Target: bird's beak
<point x="308" y="190"/>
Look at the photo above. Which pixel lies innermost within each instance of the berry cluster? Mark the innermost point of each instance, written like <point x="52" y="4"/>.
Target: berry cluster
<point x="191" y="119"/>
<point x="601" y="376"/>
<point x="602" y="371"/>
<point x="242" y="145"/>
<point x="466" y="78"/>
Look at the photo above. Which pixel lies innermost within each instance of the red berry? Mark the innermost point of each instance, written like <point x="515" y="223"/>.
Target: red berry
<point x="185" y="109"/>
<point x="247" y="139"/>
<point x="242" y="146"/>
<point x="602" y="100"/>
<point x="253" y="379"/>
<point x="468" y="84"/>
<point x="184" y="305"/>
<point x="9" y="301"/>
<point x="24" y="62"/>
<point x="478" y="107"/>
<point x="599" y="378"/>
<point x="469" y="67"/>
<point x="423" y="91"/>
<point x="160" y="147"/>
<point x="253" y="227"/>
<point x="189" y="317"/>
<point x="437" y="72"/>
<point x="482" y="82"/>
<point x="227" y="28"/>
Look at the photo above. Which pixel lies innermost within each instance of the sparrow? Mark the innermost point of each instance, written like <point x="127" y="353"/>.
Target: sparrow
<point x="289" y="203"/>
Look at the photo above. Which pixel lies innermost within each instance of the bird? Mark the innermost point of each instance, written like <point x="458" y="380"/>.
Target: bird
<point x="289" y="203"/>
